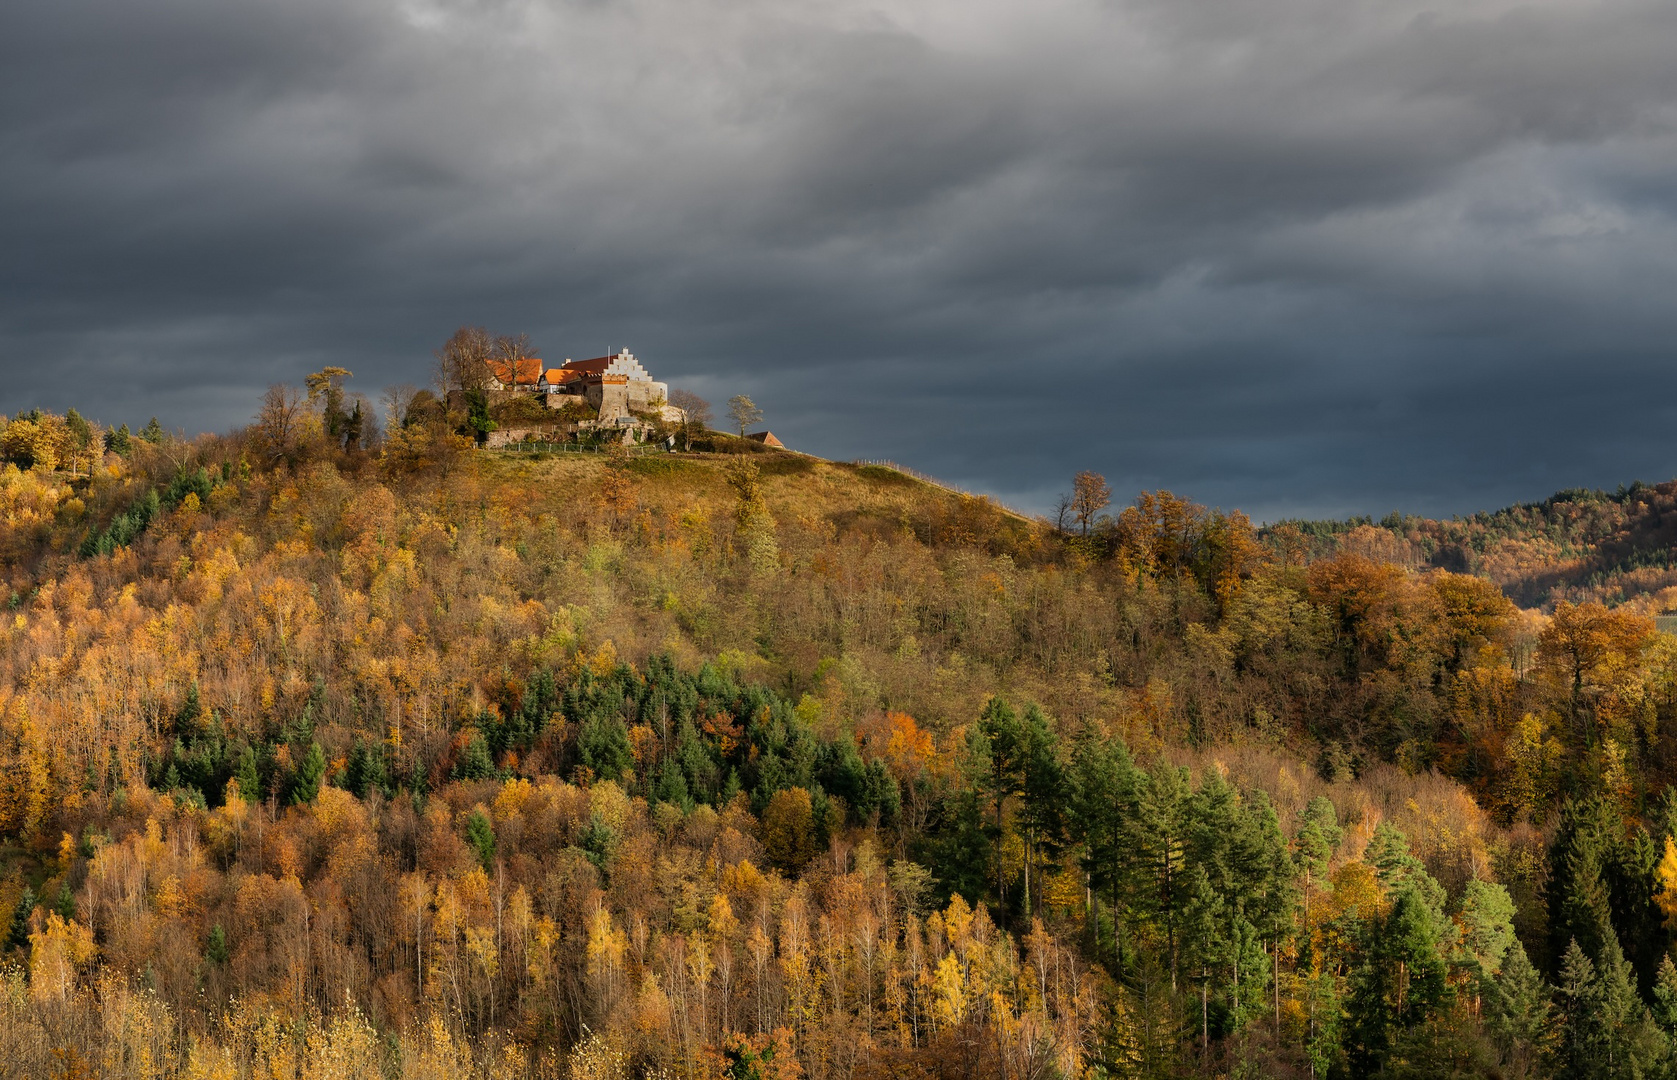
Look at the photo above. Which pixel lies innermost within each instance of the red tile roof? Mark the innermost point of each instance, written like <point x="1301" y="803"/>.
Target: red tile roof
<point x="590" y="367"/>
<point x="529" y="371"/>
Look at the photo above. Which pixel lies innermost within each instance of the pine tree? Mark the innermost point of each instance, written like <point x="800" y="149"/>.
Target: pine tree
<point x="1518" y="1015"/>
<point x="1268" y="900"/>
<point x="1630" y="1042"/>
<point x="993" y="748"/>
<point x="1043" y="787"/>
<point x="1401" y="981"/>
<point x="250" y="782"/>
<point x="1665" y="998"/>
<point x="18" y="936"/>
<point x="365" y="771"/>
<point x="1102" y="805"/>
<point x="305" y="782"/>
<point x="1158" y="840"/>
<point x="215" y="950"/>
<point x="603" y="746"/>
<point x="1579" y="1035"/>
<point x="1314" y="845"/>
<point x="959" y="850"/>
<point x="1580" y="902"/>
<point x="1205" y="941"/>
<point x="480" y="835"/>
<point x="1487" y="915"/>
<point x="475" y="762"/>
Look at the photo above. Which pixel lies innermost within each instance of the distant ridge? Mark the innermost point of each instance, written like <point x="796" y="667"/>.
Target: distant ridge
<point x="1618" y="547"/>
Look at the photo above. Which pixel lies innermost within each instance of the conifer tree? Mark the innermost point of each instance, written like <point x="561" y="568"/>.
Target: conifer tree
<point x="475" y="762"/>
<point x="1487" y="915"/>
<point x="994" y="745"/>
<point x="1158" y="840"/>
<point x="1576" y="991"/>
<point x="1102" y="806"/>
<point x="250" y="782"/>
<point x="1630" y="1043"/>
<point x="1665" y="998"/>
<point x="305" y="782"/>
<point x="603" y="746"/>
<point x="1314" y="845"/>
<point x="1043" y="787"/>
<point x="1268" y="899"/>
<point x="1401" y="982"/>
<point x="1580" y="903"/>
<point x="1518" y="1015"/>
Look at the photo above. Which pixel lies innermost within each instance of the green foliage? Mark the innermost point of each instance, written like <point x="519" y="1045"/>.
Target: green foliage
<point x="245" y="772"/>
<point x="598" y="841"/>
<point x="1518" y="1013"/>
<point x="305" y="779"/>
<point x="478" y="421"/>
<point x="475" y="762"/>
<point x="365" y="772"/>
<point x="480" y="836"/>
<point x="215" y="950"/>
<point x="1402" y="980"/>
<point x="603" y="746"/>
<point x="18" y="932"/>
<point x="124" y="527"/>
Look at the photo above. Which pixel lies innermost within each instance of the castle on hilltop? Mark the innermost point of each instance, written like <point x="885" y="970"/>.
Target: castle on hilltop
<point x="616" y="387"/>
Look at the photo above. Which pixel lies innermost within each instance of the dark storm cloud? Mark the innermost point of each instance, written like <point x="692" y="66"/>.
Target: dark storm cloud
<point x="1297" y="256"/>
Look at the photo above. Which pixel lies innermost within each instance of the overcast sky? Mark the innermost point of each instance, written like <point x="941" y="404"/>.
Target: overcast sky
<point x="1293" y="256"/>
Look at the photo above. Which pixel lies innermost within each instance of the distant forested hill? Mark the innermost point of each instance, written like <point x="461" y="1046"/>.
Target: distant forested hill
<point x="1616" y="547"/>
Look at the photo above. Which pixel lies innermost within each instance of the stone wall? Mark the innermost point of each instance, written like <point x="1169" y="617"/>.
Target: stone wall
<point x="506" y="436"/>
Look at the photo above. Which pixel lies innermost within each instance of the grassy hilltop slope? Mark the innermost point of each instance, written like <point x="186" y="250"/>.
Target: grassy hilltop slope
<point x="414" y="759"/>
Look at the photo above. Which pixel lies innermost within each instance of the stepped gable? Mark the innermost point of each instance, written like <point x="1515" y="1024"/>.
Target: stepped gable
<point x="624" y="363"/>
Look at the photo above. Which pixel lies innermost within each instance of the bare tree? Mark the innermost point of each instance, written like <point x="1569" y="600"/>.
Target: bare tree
<point x="1089" y="496"/>
<point x="744" y="412"/>
<point x="511" y="350"/>
<point x="695" y="416"/>
<point x="397" y="400"/>
<point x="696" y="407"/>
<point x="463" y="361"/>
<point x="1062" y="511"/>
<point x="280" y="420"/>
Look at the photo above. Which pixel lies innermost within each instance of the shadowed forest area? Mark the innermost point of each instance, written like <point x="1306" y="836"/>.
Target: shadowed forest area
<point x="334" y="748"/>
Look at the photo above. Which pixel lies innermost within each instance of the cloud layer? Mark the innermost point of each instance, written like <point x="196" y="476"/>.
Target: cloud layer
<point x="1297" y="256"/>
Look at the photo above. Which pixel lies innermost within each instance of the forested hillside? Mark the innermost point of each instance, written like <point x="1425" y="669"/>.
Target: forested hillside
<point x="330" y="753"/>
<point x="1614" y="547"/>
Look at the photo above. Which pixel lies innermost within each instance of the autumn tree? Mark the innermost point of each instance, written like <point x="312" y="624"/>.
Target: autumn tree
<point x="1589" y="649"/>
<point x="695" y="414"/>
<point x="1090" y="494"/>
<point x="789" y="829"/>
<point x="463" y="361"/>
<point x="279" y="423"/>
<point x="744" y="412"/>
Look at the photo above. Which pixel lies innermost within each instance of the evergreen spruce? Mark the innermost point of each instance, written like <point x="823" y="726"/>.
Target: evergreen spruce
<point x="475" y="762"/>
<point x="1518" y="1014"/>
<point x="305" y="780"/>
